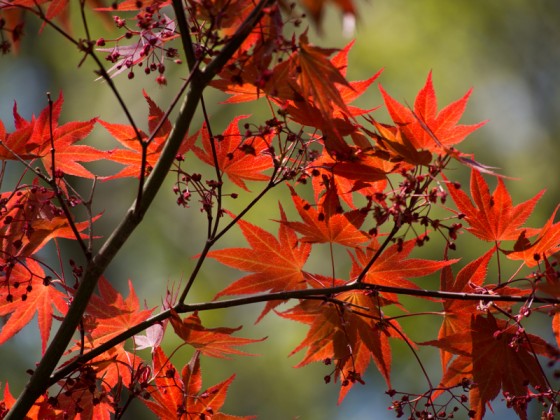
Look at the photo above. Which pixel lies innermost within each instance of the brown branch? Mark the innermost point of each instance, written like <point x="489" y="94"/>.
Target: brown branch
<point x="323" y="294"/>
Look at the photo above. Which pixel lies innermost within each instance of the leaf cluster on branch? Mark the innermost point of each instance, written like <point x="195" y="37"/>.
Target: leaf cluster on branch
<point x="375" y="190"/>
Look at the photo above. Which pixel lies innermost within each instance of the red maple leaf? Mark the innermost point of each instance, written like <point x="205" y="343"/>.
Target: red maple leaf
<point x="328" y="223"/>
<point x="240" y="158"/>
<point x="495" y="355"/>
<point x="32" y="139"/>
<point x="30" y="220"/>
<point x="442" y="125"/>
<point x="80" y="401"/>
<point x="348" y="335"/>
<point x="492" y="217"/>
<point x="132" y="155"/>
<point x="24" y="292"/>
<point x="109" y="314"/>
<point x="277" y="264"/>
<point x="546" y="244"/>
<point x="214" y="342"/>
<point x="399" y="147"/>
<point x="552" y="287"/>
<point x="364" y="172"/>
<point x="457" y="312"/>
<point x="174" y="396"/>
<point x="392" y="267"/>
<point x="41" y="409"/>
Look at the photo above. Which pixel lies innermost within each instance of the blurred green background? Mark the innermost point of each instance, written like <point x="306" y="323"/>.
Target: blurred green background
<point x="508" y="51"/>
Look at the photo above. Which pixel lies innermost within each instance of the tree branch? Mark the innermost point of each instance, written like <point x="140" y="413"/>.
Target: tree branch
<point x="325" y="294"/>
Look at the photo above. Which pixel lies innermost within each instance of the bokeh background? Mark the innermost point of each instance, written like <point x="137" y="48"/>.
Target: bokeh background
<point x="508" y="51"/>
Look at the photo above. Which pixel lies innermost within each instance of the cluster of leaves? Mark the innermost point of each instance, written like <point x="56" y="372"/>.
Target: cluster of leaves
<point x="375" y="190"/>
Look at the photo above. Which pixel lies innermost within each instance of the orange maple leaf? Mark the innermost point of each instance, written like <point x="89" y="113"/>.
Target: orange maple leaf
<point x="457" y="312"/>
<point x="399" y="147"/>
<point x="277" y="264"/>
<point x="240" y="158"/>
<point x="328" y="223"/>
<point x="40" y="409"/>
<point x="131" y="155"/>
<point x="32" y="139"/>
<point x="493" y="216"/>
<point x="179" y="397"/>
<point x="364" y="172"/>
<point x="512" y="372"/>
<point x="108" y="313"/>
<point x="392" y="267"/>
<point x="348" y="334"/>
<point x="26" y="291"/>
<point x="442" y="125"/>
<point x="214" y="342"/>
<point x="546" y="244"/>
<point x="30" y="220"/>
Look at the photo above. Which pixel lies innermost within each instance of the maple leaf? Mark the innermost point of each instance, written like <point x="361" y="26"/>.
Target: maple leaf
<point x="492" y="217"/>
<point x="174" y="396"/>
<point x="30" y="220"/>
<point x="442" y="125"/>
<point x="131" y="156"/>
<point x="41" y="409"/>
<point x="512" y="372"/>
<point x="364" y="172"/>
<point x="457" y="312"/>
<point x="214" y="342"/>
<point x="552" y="287"/>
<point x="281" y="85"/>
<point x="328" y="223"/>
<point x="277" y="264"/>
<point x="109" y="314"/>
<point x="151" y="339"/>
<point x="32" y="139"/>
<point x="238" y="157"/>
<point x="546" y="244"/>
<point x="309" y="113"/>
<point x="399" y="146"/>
<point x="76" y="403"/>
<point x="26" y="291"/>
<point x="67" y="154"/>
<point x="392" y="267"/>
<point x="348" y="334"/>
